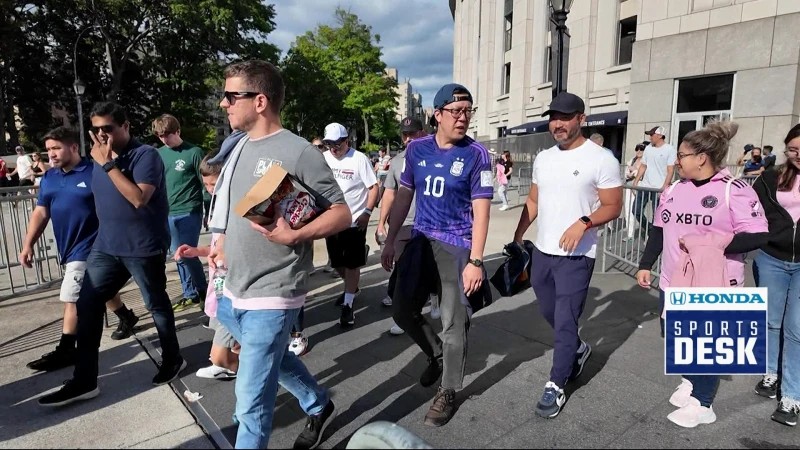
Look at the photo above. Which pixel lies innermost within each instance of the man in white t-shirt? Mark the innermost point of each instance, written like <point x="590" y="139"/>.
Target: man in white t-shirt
<point x="347" y="250"/>
<point x="655" y="172"/>
<point x="23" y="168"/>
<point x="575" y="189"/>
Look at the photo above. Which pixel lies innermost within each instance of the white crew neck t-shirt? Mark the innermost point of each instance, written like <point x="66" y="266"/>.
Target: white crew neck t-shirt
<point x="24" y="165"/>
<point x="568" y="182"/>
<point x="657" y="159"/>
<point x="355" y="176"/>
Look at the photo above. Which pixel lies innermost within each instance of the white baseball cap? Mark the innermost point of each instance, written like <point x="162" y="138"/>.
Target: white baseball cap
<point x="335" y="132"/>
<point x="655" y="130"/>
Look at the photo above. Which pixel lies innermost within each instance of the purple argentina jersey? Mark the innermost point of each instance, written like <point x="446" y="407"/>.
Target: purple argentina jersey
<point x="446" y="181"/>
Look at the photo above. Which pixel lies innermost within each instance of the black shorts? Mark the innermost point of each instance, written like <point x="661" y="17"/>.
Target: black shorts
<point x="348" y="249"/>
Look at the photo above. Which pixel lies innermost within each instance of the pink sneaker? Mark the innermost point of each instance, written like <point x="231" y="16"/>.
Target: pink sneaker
<point x="682" y="394"/>
<point x="693" y="414"/>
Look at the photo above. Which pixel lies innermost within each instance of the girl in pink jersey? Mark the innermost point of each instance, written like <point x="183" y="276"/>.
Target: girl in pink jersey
<point x="778" y="268"/>
<point x="707" y="200"/>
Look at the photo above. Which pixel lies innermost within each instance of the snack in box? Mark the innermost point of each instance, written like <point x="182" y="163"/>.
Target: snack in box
<point x="277" y="188"/>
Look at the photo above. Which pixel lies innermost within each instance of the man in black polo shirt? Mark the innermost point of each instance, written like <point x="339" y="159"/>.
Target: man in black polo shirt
<point x="131" y="201"/>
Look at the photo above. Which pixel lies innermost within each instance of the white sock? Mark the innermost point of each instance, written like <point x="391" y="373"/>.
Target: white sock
<point x="348" y="299"/>
<point x="582" y="348"/>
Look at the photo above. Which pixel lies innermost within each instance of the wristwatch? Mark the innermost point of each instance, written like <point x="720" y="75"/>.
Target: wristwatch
<point x="108" y="166"/>
<point x="476" y="262"/>
<point x="586" y="221"/>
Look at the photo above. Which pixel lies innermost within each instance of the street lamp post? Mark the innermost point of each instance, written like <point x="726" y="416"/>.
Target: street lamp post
<point x="80" y="88"/>
<point x="560" y="43"/>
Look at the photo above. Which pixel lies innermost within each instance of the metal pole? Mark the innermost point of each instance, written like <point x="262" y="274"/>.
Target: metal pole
<point x="80" y="126"/>
<point x="560" y="38"/>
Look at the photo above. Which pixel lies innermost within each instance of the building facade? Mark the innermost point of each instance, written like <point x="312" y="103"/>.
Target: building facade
<point x="637" y="64"/>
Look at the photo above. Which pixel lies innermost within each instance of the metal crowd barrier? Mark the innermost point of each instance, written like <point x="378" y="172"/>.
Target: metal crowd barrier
<point x="16" y="206"/>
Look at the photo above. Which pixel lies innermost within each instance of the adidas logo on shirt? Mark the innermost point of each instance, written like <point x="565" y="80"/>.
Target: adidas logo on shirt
<point x="82" y="184"/>
<point x="422" y="163"/>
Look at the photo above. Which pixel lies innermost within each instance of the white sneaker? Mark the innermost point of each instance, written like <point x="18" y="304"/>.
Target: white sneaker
<point x="299" y="344"/>
<point x="436" y="313"/>
<point x="693" y="414"/>
<point x="215" y="373"/>
<point x="387" y="301"/>
<point x="396" y="331"/>
<point x="682" y="394"/>
<point x="504" y="208"/>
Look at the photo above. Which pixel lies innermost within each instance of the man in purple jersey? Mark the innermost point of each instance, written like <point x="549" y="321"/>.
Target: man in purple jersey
<point x="452" y="177"/>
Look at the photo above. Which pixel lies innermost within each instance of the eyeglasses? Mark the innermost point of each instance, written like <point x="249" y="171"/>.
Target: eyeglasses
<point x="232" y="96"/>
<point x="456" y="113"/>
<point x="106" y="128"/>
<point x="792" y="152"/>
<point x="320" y="146"/>
<point x="684" y="155"/>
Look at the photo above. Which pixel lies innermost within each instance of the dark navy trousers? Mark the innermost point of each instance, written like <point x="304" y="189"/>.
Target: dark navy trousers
<point x="561" y="284"/>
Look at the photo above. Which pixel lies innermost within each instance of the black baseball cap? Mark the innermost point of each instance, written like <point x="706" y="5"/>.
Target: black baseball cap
<point x="447" y="95"/>
<point x="410" y="125"/>
<point x="566" y="103"/>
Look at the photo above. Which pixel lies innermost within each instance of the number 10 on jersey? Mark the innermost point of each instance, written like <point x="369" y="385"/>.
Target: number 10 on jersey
<point x="437" y="190"/>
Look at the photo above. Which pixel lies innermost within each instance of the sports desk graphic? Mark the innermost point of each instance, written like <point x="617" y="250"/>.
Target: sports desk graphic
<point x="715" y="331"/>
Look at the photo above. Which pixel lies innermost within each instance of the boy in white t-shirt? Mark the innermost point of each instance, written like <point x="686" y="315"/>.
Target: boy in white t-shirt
<point x="224" y="358"/>
<point x="348" y="249"/>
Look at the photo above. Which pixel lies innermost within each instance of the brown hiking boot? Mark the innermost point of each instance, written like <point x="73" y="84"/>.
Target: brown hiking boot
<point x="442" y="409"/>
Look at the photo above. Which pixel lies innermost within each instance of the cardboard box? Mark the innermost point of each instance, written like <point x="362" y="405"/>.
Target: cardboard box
<point x="278" y="189"/>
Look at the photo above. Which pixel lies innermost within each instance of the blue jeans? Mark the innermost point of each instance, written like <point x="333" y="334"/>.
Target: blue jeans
<point x="105" y="276"/>
<point x="704" y="388"/>
<point x="265" y="361"/>
<point x="782" y="279"/>
<point x="185" y="229"/>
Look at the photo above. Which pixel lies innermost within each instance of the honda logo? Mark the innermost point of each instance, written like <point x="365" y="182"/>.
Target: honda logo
<point x="678" y="298"/>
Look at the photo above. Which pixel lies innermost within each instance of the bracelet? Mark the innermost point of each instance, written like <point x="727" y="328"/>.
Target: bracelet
<point x="368" y="212"/>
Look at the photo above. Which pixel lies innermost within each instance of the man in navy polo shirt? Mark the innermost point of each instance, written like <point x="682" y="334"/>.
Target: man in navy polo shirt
<point x="131" y="202"/>
<point x="65" y="195"/>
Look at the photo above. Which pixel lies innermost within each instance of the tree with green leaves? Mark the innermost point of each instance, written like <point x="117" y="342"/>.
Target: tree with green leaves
<point x="152" y="56"/>
<point x="350" y="55"/>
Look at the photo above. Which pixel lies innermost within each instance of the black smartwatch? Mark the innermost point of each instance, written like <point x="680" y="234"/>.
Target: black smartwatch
<point x="586" y="221"/>
<point x="476" y="262"/>
<point x="108" y="166"/>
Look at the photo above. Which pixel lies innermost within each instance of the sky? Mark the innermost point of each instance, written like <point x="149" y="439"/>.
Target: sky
<point x="416" y="35"/>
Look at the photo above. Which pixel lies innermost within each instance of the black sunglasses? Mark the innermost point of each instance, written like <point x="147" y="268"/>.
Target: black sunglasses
<point x="106" y="128"/>
<point x="231" y="96"/>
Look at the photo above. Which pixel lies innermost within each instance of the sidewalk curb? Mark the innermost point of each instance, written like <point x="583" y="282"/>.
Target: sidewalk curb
<point x="204" y="420"/>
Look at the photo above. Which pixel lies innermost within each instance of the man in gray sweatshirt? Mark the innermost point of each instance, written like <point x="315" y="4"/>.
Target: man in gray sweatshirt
<point x="268" y="268"/>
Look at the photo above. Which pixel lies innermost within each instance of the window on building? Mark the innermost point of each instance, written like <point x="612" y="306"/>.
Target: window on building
<point x="501" y="131"/>
<point x="626" y="38"/>
<point x="548" y="64"/>
<point x="714" y="93"/>
<point x="507" y="78"/>
<point x="507" y="37"/>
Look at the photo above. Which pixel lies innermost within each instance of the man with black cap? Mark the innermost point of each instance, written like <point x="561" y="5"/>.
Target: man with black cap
<point x="576" y="188"/>
<point x="452" y="177"/>
<point x="655" y="172"/>
<point x="410" y="129"/>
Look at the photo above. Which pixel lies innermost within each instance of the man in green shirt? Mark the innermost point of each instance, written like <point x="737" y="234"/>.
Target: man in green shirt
<point x="185" y="193"/>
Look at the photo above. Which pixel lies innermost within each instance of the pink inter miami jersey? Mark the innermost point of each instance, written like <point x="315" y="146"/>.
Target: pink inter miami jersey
<point x="688" y="209"/>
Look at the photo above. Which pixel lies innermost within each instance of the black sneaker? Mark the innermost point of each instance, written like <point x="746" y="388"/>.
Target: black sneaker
<point x="768" y="386"/>
<point x="432" y="373"/>
<point x="55" y="360"/>
<point x="168" y="372"/>
<point x="787" y="412"/>
<point x="72" y="392"/>
<point x="315" y="428"/>
<point x="552" y="401"/>
<point x="340" y="299"/>
<point x="442" y="409"/>
<point x="348" y="317"/>
<point x="125" y="328"/>
<point x="580" y="361"/>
